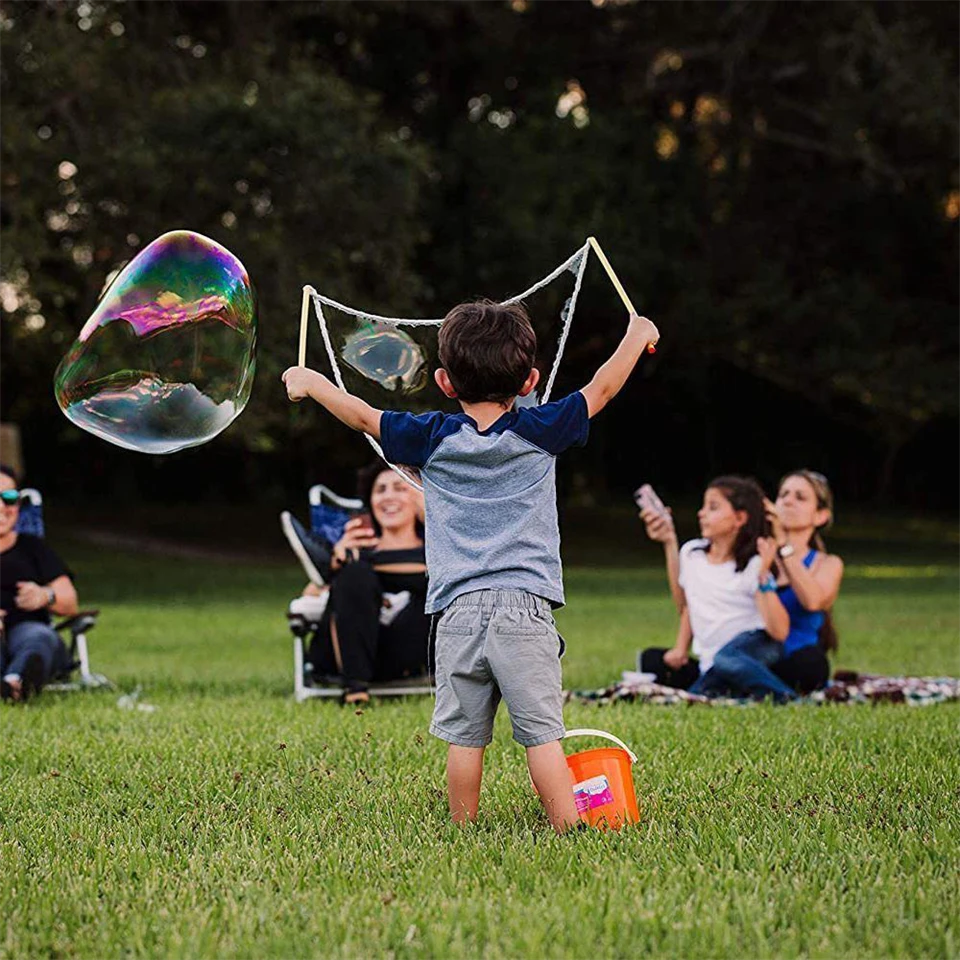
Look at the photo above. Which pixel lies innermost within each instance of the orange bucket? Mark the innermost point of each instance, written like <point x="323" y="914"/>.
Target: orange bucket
<point x="603" y="782"/>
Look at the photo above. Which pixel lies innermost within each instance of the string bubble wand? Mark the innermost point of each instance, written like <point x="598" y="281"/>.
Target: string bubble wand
<point x="308" y="291"/>
<point x="601" y="256"/>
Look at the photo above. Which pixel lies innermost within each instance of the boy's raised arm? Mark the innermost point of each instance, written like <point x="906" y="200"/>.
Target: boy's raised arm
<point x="608" y="380"/>
<point x="302" y="382"/>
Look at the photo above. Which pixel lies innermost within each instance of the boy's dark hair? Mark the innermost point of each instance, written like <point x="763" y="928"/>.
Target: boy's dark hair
<point x="488" y="350"/>
<point x="11" y="473"/>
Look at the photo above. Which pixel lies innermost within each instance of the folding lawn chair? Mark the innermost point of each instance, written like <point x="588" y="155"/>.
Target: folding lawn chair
<point x="30" y="521"/>
<point x="329" y="514"/>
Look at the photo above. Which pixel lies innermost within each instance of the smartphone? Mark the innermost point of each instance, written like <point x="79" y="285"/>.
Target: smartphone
<point x="646" y="499"/>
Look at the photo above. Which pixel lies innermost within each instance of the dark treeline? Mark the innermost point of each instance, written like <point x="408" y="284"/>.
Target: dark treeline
<point x="776" y="183"/>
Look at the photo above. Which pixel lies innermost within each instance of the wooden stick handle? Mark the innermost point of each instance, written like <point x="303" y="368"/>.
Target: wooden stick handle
<point x="304" y="317"/>
<point x="602" y="257"/>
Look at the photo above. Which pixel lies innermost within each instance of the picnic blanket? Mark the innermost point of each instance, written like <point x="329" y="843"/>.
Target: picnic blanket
<point x="845" y="687"/>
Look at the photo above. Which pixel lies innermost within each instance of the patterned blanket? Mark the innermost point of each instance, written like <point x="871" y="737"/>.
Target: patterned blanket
<point x="846" y="687"/>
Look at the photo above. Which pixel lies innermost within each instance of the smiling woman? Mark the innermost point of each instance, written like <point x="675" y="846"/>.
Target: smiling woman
<point x="755" y="594"/>
<point x="33" y="583"/>
<point x="375" y="627"/>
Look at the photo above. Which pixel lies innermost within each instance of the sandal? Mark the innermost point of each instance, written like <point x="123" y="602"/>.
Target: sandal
<point x="355" y="698"/>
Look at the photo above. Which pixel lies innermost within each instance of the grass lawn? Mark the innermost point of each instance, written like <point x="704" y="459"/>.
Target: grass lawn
<point x="233" y="822"/>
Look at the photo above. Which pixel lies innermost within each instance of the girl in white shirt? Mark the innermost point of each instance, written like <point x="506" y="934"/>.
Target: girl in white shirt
<point x="718" y="582"/>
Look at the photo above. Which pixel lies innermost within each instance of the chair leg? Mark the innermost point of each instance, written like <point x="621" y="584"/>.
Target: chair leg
<point x="84" y="657"/>
<point x="299" y="691"/>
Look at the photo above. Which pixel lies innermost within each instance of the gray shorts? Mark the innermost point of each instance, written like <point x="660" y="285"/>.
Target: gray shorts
<point x="495" y="643"/>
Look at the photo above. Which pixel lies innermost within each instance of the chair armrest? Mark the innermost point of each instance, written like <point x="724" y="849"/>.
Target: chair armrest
<point x="83" y="620"/>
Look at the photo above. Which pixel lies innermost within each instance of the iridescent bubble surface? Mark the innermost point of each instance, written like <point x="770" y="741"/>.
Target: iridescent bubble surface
<point x="167" y="359"/>
<point x="387" y="355"/>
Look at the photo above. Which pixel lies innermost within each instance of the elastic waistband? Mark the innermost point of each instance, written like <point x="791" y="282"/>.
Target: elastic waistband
<point x="488" y="599"/>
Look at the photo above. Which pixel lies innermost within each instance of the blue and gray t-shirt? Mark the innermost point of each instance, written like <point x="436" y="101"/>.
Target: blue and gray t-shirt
<point x="491" y="495"/>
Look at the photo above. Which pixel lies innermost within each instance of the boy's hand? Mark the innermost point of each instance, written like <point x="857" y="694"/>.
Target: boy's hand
<point x="298" y="381"/>
<point x="610" y="378"/>
<point x="644" y="329"/>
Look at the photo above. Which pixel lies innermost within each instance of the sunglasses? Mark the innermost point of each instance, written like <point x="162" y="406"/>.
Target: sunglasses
<point x="10" y="498"/>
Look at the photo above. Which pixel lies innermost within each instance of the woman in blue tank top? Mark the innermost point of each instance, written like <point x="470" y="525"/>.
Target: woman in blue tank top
<point x="806" y="579"/>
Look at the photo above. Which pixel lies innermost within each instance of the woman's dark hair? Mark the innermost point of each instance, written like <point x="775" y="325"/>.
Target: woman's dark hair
<point x="827" y="637"/>
<point x="744" y="494"/>
<point x="488" y="350"/>
<point x="11" y="473"/>
<point x="366" y="480"/>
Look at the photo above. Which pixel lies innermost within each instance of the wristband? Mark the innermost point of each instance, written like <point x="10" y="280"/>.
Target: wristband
<point x="787" y="550"/>
<point x="768" y="586"/>
<point x="51" y="596"/>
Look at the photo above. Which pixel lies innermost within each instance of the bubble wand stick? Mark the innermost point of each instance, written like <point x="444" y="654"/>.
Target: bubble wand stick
<point x="308" y="291"/>
<point x="613" y="279"/>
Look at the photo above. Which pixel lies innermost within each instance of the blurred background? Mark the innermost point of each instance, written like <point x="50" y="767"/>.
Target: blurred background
<point x="776" y="184"/>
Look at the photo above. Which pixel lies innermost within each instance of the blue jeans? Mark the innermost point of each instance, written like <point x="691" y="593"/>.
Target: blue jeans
<point x="29" y="638"/>
<point x="743" y="667"/>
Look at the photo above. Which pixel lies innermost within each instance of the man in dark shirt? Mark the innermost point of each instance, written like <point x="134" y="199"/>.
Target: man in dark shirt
<point x="34" y="582"/>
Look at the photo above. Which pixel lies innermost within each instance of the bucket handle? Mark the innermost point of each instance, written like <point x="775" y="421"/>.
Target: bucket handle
<point x="587" y="732"/>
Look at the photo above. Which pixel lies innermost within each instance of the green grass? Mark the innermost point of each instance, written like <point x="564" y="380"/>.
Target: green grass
<point x="233" y="822"/>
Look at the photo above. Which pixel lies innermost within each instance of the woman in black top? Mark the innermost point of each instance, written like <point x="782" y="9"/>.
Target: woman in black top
<point x="34" y="582"/>
<point x="375" y="627"/>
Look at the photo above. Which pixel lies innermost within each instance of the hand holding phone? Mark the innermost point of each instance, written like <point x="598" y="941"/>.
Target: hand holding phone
<point x="646" y="499"/>
<point x="358" y="535"/>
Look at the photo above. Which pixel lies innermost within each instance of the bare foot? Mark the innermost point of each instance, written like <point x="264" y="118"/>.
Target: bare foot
<point x="355" y="697"/>
<point x="15" y="686"/>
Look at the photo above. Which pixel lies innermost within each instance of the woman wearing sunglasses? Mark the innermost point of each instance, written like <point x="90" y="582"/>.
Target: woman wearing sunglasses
<point x="34" y="582"/>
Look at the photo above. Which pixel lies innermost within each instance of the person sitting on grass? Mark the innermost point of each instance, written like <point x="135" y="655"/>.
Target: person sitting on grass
<point x="34" y="582"/>
<point x="799" y="663"/>
<point x="717" y="586"/>
<point x="492" y="536"/>
<point x="806" y="581"/>
<point x="374" y="626"/>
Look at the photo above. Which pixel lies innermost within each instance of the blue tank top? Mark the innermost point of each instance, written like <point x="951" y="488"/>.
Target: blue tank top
<point x="804" y="624"/>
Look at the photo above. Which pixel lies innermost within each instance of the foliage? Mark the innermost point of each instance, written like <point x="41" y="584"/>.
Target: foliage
<point x="776" y="183"/>
<point x="110" y="140"/>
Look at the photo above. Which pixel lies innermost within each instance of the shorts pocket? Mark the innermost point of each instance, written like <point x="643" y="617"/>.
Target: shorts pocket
<point x="459" y="621"/>
<point x="520" y="624"/>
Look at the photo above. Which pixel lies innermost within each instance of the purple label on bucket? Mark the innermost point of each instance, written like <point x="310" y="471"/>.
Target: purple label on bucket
<point x="592" y="793"/>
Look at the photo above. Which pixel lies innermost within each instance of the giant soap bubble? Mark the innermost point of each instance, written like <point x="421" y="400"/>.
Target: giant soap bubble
<point x="167" y="359"/>
<point x="387" y="355"/>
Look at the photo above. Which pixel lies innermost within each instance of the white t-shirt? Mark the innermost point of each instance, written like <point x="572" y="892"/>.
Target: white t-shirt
<point x="722" y="602"/>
